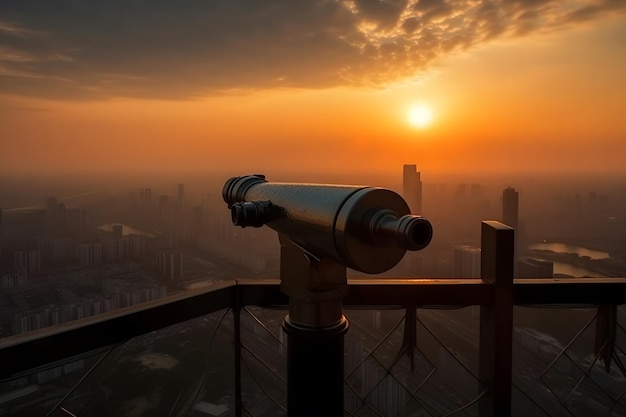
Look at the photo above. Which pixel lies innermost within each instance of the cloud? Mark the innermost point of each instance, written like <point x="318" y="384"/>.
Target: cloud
<point x="158" y="48"/>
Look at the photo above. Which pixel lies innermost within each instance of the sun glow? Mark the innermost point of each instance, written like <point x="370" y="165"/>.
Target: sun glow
<point x="420" y="116"/>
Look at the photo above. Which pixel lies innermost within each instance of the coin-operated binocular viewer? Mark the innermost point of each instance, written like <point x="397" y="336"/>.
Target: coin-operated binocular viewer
<point x="324" y="229"/>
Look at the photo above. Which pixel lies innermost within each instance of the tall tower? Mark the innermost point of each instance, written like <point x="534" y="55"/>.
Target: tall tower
<point x="510" y="210"/>
<point x="181" y="196"/>
<point x="180" y="210"/>
<point x="412" y="188"/>
<point x="510" y="216"/>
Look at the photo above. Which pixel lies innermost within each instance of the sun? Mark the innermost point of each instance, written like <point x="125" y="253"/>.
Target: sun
<point x="420" y="116"/>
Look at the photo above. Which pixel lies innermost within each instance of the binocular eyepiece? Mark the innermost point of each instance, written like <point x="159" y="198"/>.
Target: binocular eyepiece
<point x="364" y="228"/>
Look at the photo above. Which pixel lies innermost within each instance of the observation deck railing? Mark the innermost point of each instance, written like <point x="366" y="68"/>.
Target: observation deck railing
<point x="396" y="375"/>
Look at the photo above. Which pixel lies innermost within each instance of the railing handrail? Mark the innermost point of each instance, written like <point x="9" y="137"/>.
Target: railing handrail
<point x="19" y="353"/>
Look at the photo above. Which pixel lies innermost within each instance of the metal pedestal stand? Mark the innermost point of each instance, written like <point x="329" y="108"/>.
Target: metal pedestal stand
<point x="315" y="329"/>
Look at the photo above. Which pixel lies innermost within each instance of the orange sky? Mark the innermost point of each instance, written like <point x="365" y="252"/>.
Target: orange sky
<point x="552" y="99"/>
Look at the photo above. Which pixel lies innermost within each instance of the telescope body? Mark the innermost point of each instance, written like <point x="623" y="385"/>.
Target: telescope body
<point x="364" y="228"/>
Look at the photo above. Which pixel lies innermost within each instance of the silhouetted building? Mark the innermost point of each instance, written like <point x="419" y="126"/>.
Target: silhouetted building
<point x="197" y="222"/>
<point x="144" y="204"/>
<point x="180" y="209"/>
<point x="169" y="239"/>
<point x="136" y="245"/>
<point x="118" y="231"/>
<point x="466" y="262"/>
<point x="412" y="188"/>
<point x="510" y="216"/>
<point x="510" y="207"/>
<point x="90" y="254"/>
<point x="56" y="249"/>
<point x="14" y="279"/>
<point x="145" y="198"/>
<point x="170" y="264"/>
<point x="128" y="247"/>
<point x="29" y="261"/>
<point x="180" y="197"/>
<point x="113" y="250"/>
<point x="164" y="209"/>
<point x="76" y="221"/>
<point x="54" y="216"/>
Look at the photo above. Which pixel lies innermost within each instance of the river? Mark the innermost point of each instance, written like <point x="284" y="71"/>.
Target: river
<point x="568" y="268"/>
<point x="565" y="248"/>
<point x="575" y="271"/>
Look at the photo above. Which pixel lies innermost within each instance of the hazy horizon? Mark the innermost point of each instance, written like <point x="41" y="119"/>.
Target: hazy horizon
<point x="318" y="88"/>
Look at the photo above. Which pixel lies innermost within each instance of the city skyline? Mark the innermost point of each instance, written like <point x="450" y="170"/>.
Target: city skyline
<point x="512" y="87"/>
<point x="103" y="256"/>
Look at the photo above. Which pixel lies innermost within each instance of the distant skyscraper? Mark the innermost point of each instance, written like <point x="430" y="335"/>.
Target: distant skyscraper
<point x="412" y="188"/>
<point x="145" y="200"/>
<point x="180" y="207"/>
<point x="510" y="211"/>
<point x="28" y="261"/>
<point x="510" y="216"/>
<point x="90" y="254"/>
<point x="21" y="261"/>
<point x="164" y="207"/>
<point x="170" y="264"/>
<point x="148" y="197"/>
<point x="466" y="262"/>
<point x="76" y="221"/>
<point x="181" y="196"/>
<point x="118" y="231"/>
<point x="54" y="216"/>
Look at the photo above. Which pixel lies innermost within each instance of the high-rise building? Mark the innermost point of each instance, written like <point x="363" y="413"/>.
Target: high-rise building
<point x="136" y="246"/>
<point x="90" y="254"/>
<point x="28" y="261"/>
<point x="510" y="211"/>
<point x="148" y="197"/>
<point x="54" y="216"/>
<point x="76" y="222"/>
<point x="466" y="262"/>
<point x="118" y="231"/>
<point x="510" y="216"/>
<point x="180" y="210"/>
<point x="180" y="197"/>
<point x="164" y="206"/>
<point x="170" y="264"/>
<point x="145" y="201"/>
<point x="412" y="188"/>
<point x="14" y="279"/>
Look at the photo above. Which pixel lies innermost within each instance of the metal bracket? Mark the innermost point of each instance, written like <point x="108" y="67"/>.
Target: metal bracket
<point x="315" y="286"/>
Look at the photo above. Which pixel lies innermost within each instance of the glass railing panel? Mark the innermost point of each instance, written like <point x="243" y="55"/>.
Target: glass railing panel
<point x="569" y="361"/>
<point x="385" y="373"/>
<point x="403" y="362"/>
<point x="49" y="389"/>
<point x="174" y="371"/>
<point x="263" y="362"/>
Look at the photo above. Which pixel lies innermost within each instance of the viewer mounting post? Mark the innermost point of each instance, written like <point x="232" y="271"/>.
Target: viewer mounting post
<point x="323" y="229"/>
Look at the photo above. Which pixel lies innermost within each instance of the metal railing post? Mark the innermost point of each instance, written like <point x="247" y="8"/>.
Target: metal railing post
<point x="606" y="334"/>
<point x="496" y="319"/>
<point x="237" y="343"/>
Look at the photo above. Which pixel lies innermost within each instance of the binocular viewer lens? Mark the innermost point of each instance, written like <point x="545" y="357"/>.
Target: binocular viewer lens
<point x="364" y="228"/>
<point x="409" y="232"/>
